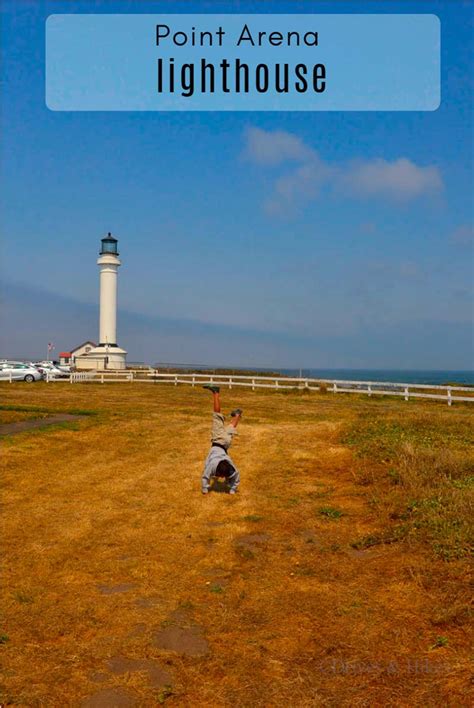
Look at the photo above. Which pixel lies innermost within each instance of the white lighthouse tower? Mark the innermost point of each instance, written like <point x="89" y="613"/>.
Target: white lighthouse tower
<point x="107" y="355"/>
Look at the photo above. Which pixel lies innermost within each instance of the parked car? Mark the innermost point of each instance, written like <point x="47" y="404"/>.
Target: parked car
<point x="18" y="371"/>
<point x="50" y="370"/>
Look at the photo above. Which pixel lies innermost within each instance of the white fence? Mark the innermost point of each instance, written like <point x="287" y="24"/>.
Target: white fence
<point x="450" y="394"/>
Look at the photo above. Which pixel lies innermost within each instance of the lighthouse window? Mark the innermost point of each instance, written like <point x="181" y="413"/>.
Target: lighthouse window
<point x="109" y="247"/>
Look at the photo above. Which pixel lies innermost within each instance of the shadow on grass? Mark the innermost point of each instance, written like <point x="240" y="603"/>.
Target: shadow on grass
<point x="219" y="486"/>
<point x="22" y="429"/>
<point x="42" y="409"/>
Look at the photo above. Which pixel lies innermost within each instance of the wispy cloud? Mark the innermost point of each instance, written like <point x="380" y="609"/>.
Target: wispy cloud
<point x="274" y="147"/>
<point x="374" y="342"/>
<point x="400" y="179"/>
<point x="299" y="186"/>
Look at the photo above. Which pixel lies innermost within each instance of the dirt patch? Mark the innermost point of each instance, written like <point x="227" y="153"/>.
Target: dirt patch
<point x="249" y="545"/>
<point x="15" y="416"/>
<point x="218" y="578"/>
<point x="98" y="677"/>
<point x="216" y="573"/>
<point x="24" y="425"/>
<point x="115" y="589"/>
<point x="182" y="640"/>
<point x="365" y="553"/>
<point x="109" y="698"/>
<point x="252" y="540"/>
<point x="157" y="676"/>
<point x="309" y="536"/>
<point x="145" y="603"/>
<point x="137" y="631"/>
<point x="180" y="616"/>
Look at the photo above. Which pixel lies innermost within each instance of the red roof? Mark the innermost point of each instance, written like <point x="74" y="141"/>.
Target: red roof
<point x="65" y="354"/>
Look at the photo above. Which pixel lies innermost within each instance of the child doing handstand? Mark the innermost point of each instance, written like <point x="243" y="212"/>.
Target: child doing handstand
<point x="218" y="463"/>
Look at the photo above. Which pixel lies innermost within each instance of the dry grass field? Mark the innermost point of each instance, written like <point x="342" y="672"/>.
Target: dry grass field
<point x="338" y="576"/>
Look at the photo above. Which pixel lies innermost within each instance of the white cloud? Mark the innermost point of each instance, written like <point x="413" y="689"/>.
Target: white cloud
<point x="273" y="148"/>
<point x="400" y="179"/>
<point x="299" y="186"/>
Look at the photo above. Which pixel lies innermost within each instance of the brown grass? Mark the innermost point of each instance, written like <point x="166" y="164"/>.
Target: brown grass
<point x="18" y="415"/>
<point x="108" y="545"/>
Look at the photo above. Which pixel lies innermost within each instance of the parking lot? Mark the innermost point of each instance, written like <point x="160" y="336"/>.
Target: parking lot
<point x="29" y="371"/>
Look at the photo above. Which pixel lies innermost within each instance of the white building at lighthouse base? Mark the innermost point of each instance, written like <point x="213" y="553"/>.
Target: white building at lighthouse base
<point x="102" y="358"/>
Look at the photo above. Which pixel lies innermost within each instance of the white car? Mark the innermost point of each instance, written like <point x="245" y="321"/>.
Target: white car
<point x="18" y="371"/>
<point x="50" y="370"/>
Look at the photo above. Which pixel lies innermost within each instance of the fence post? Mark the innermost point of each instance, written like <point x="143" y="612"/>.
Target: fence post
<point x="102" y="378"/>
<point x="253" y="384"/>
<point x="369" y="389"/>
<point x="176" y="380"/>
<point x="407" y="394"/>
<point x="334" y="387"/>
<point x="194" y="381"/>
<point x="450" y="400"/>
<point x="11" y="377"/>
<point x="230" y="381"/>
<point x="306" y="383"/>
<point x="276" y="383"/>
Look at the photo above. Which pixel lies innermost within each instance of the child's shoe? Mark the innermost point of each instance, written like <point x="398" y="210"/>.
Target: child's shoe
<point x="237" y="411"/>
<point x="214" y="389"/>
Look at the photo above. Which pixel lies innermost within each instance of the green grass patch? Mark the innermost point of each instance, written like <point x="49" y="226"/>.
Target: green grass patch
<point x="253" y="518"/>
<point x="217" y="589"/>
<point x="421" y="471"/>
<point x="245" y="553"/>
<point x="163" y="695"/>
<point x="24" y="409"/>
<point x="392" y="536"/>
<point x="330" y="512"/>
<point x="440" y="642"/>
<point x="382" y="439"/>
<point x="23" y="598"/>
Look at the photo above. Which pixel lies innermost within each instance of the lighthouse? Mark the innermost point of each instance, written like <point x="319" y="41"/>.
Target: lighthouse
<point x="107" y="355"/>
<point x="108" y="263"/>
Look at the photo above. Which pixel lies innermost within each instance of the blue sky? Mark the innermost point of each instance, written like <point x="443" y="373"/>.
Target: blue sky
<point x="271" y="239"/>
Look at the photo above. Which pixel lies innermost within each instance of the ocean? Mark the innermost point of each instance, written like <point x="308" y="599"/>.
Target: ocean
<point x="412" y="376"/>
<point x="408" y="376"/>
